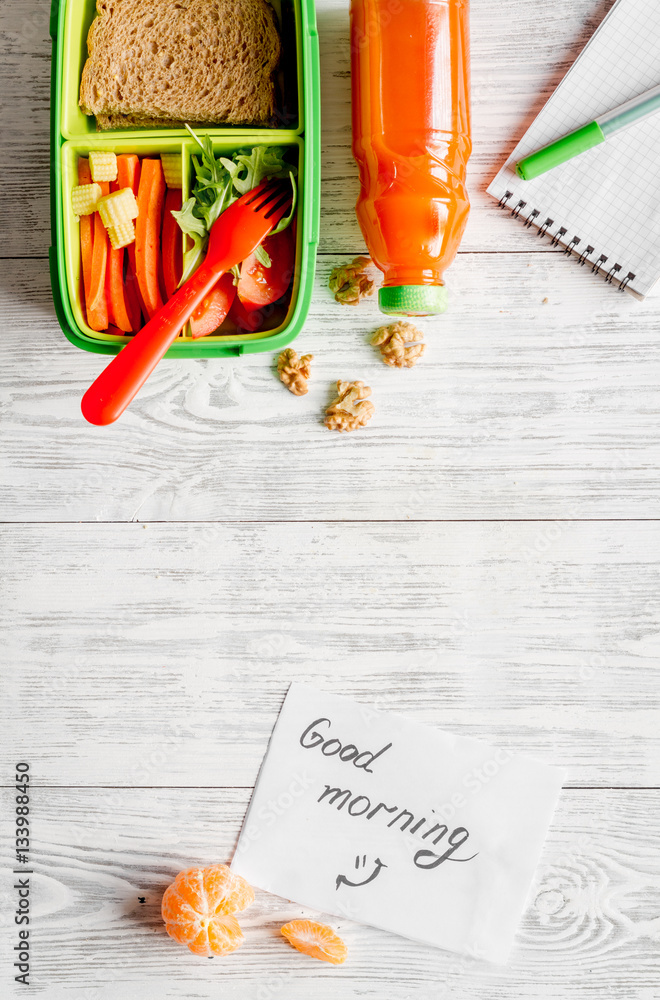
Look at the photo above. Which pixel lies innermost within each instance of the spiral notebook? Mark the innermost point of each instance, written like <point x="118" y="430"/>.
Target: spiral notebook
<point x="604" y="205"/>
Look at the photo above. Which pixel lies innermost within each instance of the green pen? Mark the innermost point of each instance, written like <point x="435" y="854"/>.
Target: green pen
<point x="589" y="135"/>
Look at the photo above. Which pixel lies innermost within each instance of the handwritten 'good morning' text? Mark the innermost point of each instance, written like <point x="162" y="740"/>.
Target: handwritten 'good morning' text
<point x="361" y="805"/>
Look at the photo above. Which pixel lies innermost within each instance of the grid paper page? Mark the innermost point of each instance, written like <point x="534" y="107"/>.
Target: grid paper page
<point x="605" y="203"/>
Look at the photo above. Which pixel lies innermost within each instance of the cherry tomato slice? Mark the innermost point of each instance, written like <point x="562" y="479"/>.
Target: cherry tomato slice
<point x="259" y="285"/>
<point x="208" y="316"/>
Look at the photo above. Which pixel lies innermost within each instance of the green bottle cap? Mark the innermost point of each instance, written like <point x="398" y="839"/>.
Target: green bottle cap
<point x="412" y="300"/>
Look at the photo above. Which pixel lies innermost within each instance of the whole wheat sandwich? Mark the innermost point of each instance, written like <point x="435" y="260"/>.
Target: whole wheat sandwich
<point x="168" y="61"/>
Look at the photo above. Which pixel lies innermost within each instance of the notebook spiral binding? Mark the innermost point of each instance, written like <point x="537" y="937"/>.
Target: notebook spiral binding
<point x="610" y="275"/>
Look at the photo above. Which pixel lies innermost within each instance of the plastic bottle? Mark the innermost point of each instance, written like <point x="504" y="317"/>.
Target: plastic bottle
<point x="411" y="140"/>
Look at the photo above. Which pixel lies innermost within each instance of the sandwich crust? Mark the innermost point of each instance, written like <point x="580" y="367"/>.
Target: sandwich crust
<point x="207" y="61"/>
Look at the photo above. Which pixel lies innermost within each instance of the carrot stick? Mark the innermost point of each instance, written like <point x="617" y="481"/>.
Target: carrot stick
<point x="128" y="175"/>
<point x="151" y="194"/>
<point x="171" y="243"/>
<point x="84" y="173"/>
<point x="117" y="304"/>
<point x="86" y="233"/>
<point x="128" y="172"/>
<point x="131" y="280"/>
<point x="132" y="294"/>
<point x="114" y="284"/>
<point x="97" y="306"/>
<point x="161" y="280"/>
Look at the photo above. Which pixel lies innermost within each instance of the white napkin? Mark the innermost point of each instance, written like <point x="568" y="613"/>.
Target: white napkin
<point x="367" y="815"/>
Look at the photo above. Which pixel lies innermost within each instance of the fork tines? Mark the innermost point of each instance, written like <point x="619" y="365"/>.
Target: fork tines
<point x="272" y="194"/>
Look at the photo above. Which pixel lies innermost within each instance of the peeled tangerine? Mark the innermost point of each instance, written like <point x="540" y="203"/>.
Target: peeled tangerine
<point x="317" y="940"/>
<point x="198" y="909"/>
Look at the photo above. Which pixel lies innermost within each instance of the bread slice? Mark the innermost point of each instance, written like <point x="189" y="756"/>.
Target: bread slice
<point x="205" y="61"/>
<point x="115" y="122"/>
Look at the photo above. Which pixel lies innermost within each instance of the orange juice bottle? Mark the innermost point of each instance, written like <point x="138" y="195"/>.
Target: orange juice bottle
<point x="411" y="140"/>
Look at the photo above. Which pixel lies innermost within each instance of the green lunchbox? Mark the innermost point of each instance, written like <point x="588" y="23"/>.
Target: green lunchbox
<point x="73" y="134"/>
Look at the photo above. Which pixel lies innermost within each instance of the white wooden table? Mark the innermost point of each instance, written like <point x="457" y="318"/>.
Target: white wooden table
<point x="484" y="557"/>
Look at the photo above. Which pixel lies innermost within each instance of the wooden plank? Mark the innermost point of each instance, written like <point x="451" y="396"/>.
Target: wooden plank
<point x="520" y="408"/>
<point x="590" y="929"/>
<point x="510" y="85"/>
<point x="160" y="654"/>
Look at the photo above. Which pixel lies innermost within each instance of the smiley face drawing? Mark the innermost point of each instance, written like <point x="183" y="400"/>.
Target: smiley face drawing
<point x="343" y="880"/>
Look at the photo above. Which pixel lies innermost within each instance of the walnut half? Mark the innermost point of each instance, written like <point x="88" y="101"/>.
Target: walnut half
<point x="351" y="409"/>
<point x="294" y="371"/>
<point x="349" y="282"/>
<point x="400" y="344"/>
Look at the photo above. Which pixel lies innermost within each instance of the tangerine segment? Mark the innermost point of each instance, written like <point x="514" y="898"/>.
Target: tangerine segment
<point x="216" y="936"/>
<point x="197" y="909"/>
<point x="216" y="889"/>
<point x="317" y="940"/>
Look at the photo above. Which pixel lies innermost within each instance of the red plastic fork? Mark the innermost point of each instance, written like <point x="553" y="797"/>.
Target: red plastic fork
<point x="233" y="237"/>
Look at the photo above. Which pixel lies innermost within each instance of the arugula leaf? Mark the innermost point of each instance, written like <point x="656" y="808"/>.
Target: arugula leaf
<point x="212" y="190"/>
<point x="189" y="223"/>
<point x="248" y="168"/>
<point x="193" y="257"/>
<point x="263" y="256"/>
<point x="288" y="219"/>
<point x="194" y="227"/>
<point x="219" y="181"/>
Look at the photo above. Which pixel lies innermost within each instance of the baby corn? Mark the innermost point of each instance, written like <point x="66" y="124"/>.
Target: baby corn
<point x="172" y="169"/>
<point x="103" y="166"/>
<point x="121" y="235"/>
<point x="118" y="207"/>
<point x="85" y="198"/>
